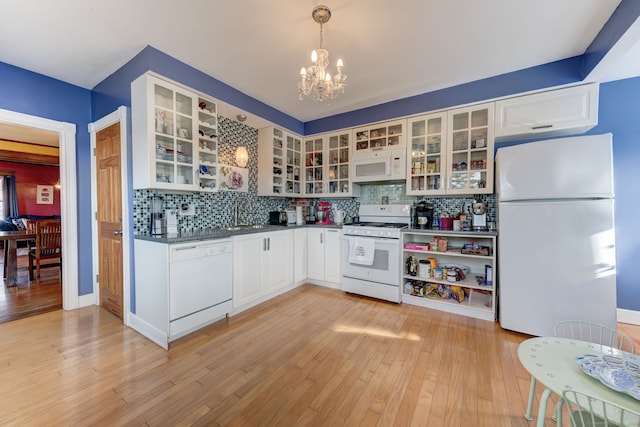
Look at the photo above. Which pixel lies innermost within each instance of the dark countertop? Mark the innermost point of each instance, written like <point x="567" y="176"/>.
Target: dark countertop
<point x="450" y="232"/>
<point x="223" y="233"/>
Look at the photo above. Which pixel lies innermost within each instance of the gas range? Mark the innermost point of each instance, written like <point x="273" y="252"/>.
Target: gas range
<point x="371" y="263"/>
<point x="390" y="230"/>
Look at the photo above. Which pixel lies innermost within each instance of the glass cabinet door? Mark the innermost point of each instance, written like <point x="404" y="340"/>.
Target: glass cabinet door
<point x="313" y="166"/>
<point x="278" y="156"/>
<point x="173" y="114"/>
<point x="471" y="149"/>
<point x="338" y="161"/>
<point x="381" y="136"/>
<point x="294" y="155"/>
<point x="426" y="154"/>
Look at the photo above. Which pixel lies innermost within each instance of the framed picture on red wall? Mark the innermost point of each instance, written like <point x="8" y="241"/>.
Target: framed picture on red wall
<point x="45" y="195"/>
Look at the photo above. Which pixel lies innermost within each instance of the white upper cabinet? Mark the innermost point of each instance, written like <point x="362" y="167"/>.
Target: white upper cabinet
<point x="279" y="163"/>
<point x="327" y="165"/>
<point x="470" y="150"/>
<point x="426" y="154"/>
<point x="567" y="111"/>
<point x="387" y="135"/>
<point x="207" y="145"/>
<point x="174" y="137"/>
<point x="451" y="152"/>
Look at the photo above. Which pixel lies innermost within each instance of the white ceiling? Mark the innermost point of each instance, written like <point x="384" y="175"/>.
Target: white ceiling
<point x="391" y="50"/>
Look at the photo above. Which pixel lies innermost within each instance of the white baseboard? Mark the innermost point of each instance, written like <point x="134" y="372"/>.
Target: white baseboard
<point x="628" y="316"/>
<point x="264" y="298"/>
<point x="324" y="283"/>
<point x="154" y="334"/>
<point x="85" y="300"/>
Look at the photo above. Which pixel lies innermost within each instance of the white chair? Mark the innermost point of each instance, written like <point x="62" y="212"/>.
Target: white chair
<point x="595" y="333"/>
<point x="583" y="331"/>
<point x="588" y="411"/>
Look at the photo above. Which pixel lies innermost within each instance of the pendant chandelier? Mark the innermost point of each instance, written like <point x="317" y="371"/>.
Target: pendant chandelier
<point x="315" y="81"/>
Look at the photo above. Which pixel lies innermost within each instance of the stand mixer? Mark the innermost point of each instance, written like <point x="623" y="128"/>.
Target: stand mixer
<point x="323" y="213"/>
<point x="478" y="213"/>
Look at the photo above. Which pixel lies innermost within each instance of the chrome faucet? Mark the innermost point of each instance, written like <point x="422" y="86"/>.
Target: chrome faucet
<point x="237" y="212"/>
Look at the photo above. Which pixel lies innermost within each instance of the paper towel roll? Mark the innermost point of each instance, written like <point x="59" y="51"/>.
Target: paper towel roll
<point x="299" y="215"/>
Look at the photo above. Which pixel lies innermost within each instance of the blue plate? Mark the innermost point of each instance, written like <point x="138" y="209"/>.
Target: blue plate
<point x="614" y="372"/>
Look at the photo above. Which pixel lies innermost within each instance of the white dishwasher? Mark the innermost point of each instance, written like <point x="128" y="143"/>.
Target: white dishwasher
<point x="200" y="278"/>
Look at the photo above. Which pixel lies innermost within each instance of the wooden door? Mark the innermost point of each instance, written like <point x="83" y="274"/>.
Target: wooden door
<point x="109" y="217"/>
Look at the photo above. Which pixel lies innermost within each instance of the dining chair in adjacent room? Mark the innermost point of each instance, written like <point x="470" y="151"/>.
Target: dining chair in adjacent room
<point x="583" y="331"/>
<point x="588" y="411"/>
<point x="48" y="246"/>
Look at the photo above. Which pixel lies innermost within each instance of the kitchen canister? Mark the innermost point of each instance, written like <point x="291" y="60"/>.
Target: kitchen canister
<point x="424" y="268"/>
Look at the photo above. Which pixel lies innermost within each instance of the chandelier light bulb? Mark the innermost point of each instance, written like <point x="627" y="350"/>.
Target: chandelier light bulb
<point x="315" y="80"/>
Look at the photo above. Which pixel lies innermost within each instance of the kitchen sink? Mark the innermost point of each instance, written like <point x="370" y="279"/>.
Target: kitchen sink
<point x="242" y="227"/>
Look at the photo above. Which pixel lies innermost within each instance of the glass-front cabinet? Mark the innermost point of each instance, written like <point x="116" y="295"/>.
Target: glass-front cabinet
<point x="338" y="163"/>
<point x="167" y="152"/>
<point x="451" y="152"/>
<point x="426" y="154"/>
<point x="293" y="161"/>
<point x="327" y="164"/>
<point x="279" y="163"/>
<point x="314" y="165"/>
<point x="379" y="136"/>
<point x="470" y="150"/>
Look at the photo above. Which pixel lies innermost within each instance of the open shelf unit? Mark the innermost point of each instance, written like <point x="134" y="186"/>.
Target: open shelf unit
<point x="480" y="294"/>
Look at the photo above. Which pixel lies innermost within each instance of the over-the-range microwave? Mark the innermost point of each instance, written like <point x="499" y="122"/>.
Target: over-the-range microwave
<point x="382" y="165"/>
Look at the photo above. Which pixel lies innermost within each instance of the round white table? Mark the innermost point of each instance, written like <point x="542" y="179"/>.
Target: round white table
<point x="552" y="362"/>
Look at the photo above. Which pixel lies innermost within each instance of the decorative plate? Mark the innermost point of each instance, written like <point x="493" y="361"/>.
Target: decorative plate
<point x="614" y="372"/>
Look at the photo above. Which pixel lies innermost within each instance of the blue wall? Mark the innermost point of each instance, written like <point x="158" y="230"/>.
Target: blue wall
<point x="619" y="113"/>
<point x="37" y="95"/>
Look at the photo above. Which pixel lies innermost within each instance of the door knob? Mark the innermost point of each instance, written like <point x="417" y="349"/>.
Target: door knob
<point x="117" y="232"/>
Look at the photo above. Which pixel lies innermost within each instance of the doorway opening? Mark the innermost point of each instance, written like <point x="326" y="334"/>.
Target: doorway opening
<point x="66" y="137"/>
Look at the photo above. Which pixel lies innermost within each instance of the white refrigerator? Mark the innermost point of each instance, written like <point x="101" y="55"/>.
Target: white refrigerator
<point x="556" y="243"/>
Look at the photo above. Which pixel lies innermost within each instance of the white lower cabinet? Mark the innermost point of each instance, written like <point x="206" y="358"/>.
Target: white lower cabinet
<point x="299" y="254"/>
<point x="323" y="254"/>
<point x="261" y="265"/>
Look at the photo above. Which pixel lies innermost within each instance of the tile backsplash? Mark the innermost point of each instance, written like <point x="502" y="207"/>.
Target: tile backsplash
<point x="218" y="209"/>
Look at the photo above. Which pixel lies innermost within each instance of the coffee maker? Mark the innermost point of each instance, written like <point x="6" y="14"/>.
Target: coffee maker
<point x="156" y="226"/>
<point x="478" y="216"/>
<point x="423" y="215"/>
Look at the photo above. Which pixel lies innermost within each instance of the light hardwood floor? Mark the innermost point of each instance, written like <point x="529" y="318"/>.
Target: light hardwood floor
<point x="313" y="356"/>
